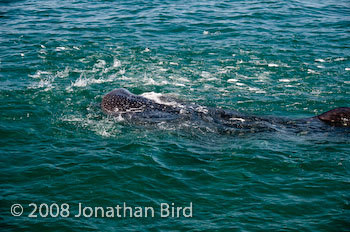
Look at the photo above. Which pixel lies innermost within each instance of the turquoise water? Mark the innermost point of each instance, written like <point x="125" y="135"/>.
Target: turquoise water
<point x="281" y="58"/>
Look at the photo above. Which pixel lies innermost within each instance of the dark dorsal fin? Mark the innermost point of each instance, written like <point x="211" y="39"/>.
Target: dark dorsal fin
<point x="337" y="117"/>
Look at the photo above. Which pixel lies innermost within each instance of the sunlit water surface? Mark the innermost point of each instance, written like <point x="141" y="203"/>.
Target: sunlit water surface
<point x="282" y="58"/>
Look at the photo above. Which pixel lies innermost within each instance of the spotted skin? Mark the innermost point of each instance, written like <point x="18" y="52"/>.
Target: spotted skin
<point x="121" y="101"/>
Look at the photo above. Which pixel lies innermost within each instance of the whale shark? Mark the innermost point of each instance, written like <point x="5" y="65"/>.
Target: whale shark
<point x="121" y="102"/>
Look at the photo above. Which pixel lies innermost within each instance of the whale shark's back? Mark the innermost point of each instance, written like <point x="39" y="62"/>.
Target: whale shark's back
<point x="122" y="101"/>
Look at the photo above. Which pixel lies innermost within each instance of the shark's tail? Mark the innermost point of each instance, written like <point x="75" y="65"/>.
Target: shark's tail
<point x="337" y="117"/>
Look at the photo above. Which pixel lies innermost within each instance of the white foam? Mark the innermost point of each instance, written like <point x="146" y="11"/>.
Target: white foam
<point x="59" y="49"/>
<point x="316" y="92"/>
<point x="230" y="67"/>
<point x="150" y="81"/>
<point x="202" y="109"/>
<point x="183" y="79"/>
<point x="122" y="71"/>
<point x="101" y="80"/>
<point x="284" y="80"/>
<point x="223" y="71"/>
<point x="39" y="73"/>
<point x="42" y="51"/>
<point x="263" y="77"/>
<point x="320" y="60"/>
<point x="105" y="127"/>
<point x="83" y="81"/>
<point x="125" y="78"/>
<point x="80" y="82"/>
<point x="117" y="63"/>
<point x="311" y="71"/>
<point x="232" y="80"/>
<point x="71" y="118"/>
<point x="205" y="32"/>
<point x="272" y="65"/>
<point x="84" y="60"/>
<point x="119" y="118"/>
<point x="63" y="74"/>
<point x="100" y="64"/>
<point x="253" y="89"/>
<point x="347" y="69"/>
<point x="180" y="84"/>
<point x="46" y="80"/>
<point x="153" y="96"/>
<point x="205" y="74"/>
<point x="157" y="97"/>
<point x="44" y="83"/>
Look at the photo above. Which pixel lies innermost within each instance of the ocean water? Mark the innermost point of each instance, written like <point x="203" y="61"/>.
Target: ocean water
<point x="282" y="58"/>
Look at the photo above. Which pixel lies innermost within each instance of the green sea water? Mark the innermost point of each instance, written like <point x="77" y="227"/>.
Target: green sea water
<point x="282" y="58"/>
